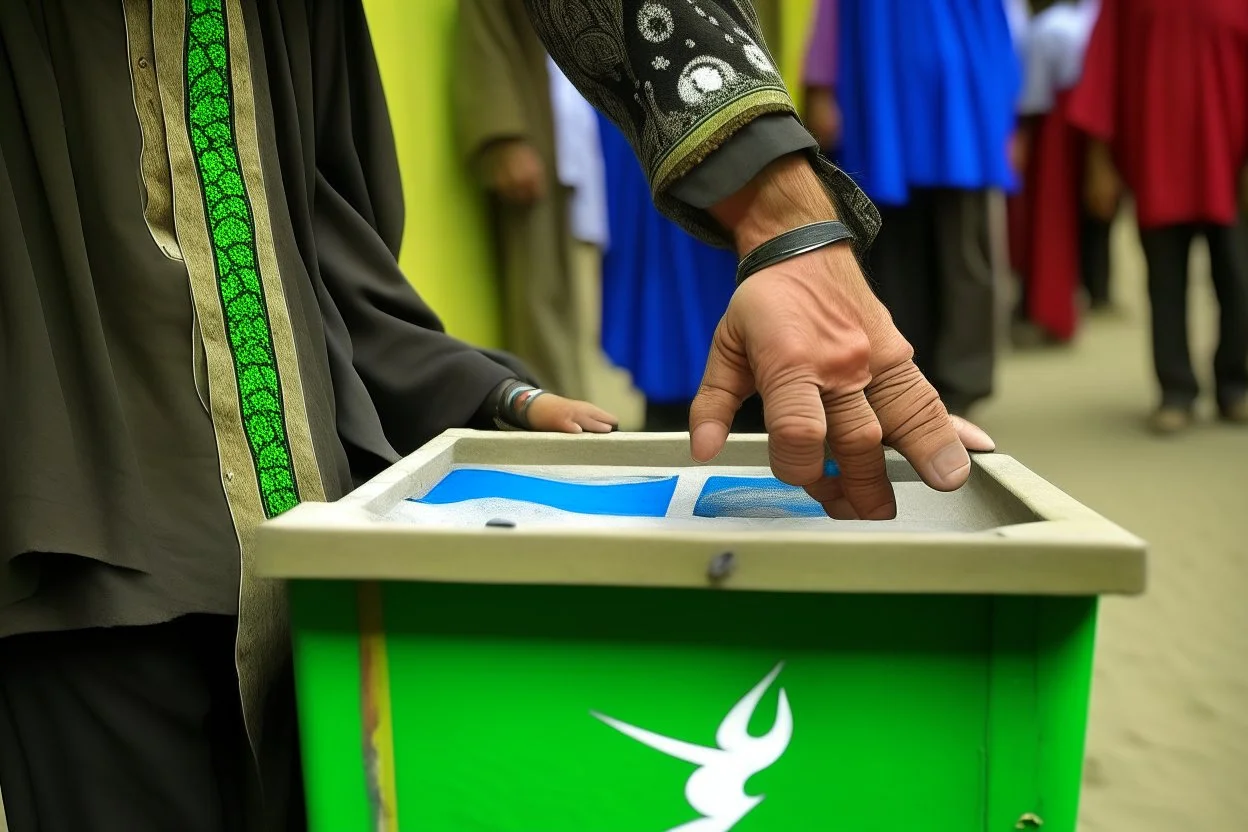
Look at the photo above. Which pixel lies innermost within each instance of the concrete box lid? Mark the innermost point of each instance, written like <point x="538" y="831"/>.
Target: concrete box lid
<point x="1010" y="532"/>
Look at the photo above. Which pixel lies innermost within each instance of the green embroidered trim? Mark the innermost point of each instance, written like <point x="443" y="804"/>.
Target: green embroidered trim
<point x="210" y="117"/>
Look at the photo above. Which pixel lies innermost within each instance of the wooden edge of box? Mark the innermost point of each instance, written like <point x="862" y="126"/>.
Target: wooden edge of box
<point x="1070" y="550"/>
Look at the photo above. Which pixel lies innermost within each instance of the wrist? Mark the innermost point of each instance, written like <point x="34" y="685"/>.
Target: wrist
<point x="784" y="195"/>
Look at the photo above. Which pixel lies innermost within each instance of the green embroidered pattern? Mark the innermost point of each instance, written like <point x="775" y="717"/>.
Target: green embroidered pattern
<point x="210" y="119"/>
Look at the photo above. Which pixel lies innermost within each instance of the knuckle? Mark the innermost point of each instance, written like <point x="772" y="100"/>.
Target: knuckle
<point x="797" y="430"/>
<point x="860" y="437"/>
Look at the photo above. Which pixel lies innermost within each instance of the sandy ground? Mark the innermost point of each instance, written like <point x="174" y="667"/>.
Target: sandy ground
<point x="1168" y="743"/>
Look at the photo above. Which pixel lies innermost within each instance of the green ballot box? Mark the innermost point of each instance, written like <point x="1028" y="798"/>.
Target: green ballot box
<point x="513" y="632"/>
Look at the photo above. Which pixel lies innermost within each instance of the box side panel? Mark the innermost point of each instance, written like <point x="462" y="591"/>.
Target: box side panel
<point x="1067" y="638"/>
<point x="519" y="709"/>
<point x="325" y="619"/>
<point x="1040" y="679"/>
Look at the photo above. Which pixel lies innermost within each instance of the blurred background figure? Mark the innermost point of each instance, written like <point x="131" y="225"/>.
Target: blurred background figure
<point x="1059" y="248"/>
<point x="920" y="96"/>
<point x="663" y="293"/>
<point x="533" y="141"/>
<point x="1163" y="98"/>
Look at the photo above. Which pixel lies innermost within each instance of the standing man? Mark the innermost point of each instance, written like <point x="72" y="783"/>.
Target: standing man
<point x="921" y="98"/>
<point x="1059" y="245"/>
<point x="527" y="140"/>
<point x="203" y="323"/>
<point x="1164" y="101"/>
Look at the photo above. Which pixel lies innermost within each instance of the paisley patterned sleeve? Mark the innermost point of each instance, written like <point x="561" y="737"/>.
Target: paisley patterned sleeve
<point x="681" y="78"/>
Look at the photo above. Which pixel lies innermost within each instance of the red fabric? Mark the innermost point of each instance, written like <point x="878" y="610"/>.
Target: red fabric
<point x="1050" y="259"/>
<point x="1165" y="83"/>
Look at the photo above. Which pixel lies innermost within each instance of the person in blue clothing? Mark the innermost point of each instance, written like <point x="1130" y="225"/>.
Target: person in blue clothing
<point x="663" y="293"/>
<point x="926" y="94"/>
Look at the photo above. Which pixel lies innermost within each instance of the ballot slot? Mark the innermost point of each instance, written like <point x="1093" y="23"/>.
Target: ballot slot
<point x="702" y="497"/>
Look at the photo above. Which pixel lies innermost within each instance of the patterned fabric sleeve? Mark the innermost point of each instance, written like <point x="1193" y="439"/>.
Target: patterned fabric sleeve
<point x="680" y="78"/>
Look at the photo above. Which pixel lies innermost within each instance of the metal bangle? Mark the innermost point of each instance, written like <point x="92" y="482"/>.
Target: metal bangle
<point x="522" y="415"/>
<point x="798" y="241"/>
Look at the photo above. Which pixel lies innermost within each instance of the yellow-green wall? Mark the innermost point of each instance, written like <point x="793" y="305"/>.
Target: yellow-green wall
<point x="796" y="18"/>
<point x="446" y="252"/>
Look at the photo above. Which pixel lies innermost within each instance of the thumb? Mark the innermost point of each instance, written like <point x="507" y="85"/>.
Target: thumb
<point x="726" y="383"/>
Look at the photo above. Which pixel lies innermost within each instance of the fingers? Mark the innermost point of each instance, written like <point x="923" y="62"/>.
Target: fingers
<point x="726" y="383"/>
<point x="972" y="436"/>
<point x="830" y="494"/>
<point x="855" y="438"/>
<point x="914" y="421"/>
<point x="797" y="430"/>
<point x="593" y="419"/>
<point x="520" y="190"/>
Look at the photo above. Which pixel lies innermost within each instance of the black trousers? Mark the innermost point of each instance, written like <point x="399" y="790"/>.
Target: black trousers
<point x="1167" y="250"/>
<point x="1094" y="258"/>
<point x="132" y="729"/>
<point x="932" y="268"/>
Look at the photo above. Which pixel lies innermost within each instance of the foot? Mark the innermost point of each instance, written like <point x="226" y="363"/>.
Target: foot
<point x="1235" y="412"/>
<point x="1025" y="335"/>
<point x="1168" y="419"/>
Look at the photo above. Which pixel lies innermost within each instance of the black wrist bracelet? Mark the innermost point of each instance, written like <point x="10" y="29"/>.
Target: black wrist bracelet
<point x="790" y="244"/>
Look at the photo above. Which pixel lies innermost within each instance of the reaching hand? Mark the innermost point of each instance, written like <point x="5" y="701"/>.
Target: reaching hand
<point x="556" y="414"/>
<point x="809" y="335"/>
<point x="516" y="172"/>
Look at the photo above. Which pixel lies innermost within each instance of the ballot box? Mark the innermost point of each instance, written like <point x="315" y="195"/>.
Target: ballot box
<point x="513" y="632"/>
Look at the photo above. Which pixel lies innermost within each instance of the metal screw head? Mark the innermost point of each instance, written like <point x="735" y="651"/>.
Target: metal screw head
<point x="721" y="566"/>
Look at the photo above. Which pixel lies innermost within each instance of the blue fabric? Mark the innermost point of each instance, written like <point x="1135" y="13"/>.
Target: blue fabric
<point x="754" y="497"/>
<point x="663" y="292"/>
<point x="928" y="90"/>
<point x="648" y="498"/>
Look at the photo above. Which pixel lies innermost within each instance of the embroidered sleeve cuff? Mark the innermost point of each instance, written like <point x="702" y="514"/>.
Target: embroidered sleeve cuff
<point x="739" y="160"/>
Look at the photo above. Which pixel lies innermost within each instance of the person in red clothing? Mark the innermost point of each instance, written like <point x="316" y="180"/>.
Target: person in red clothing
<point x="1164" y="99"/>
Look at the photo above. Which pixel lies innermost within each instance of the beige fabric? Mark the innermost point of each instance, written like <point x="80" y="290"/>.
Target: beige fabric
<point x="502" y="92"/>
<point x="157" y="178"/>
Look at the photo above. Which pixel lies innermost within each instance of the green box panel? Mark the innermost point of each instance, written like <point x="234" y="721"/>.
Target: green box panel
<point x="927" y="712"/>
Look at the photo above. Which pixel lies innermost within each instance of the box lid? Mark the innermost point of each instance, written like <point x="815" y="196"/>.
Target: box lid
<point x="1007" y="531"/>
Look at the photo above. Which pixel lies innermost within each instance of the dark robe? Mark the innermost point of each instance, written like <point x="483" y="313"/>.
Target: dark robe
<point x="133" y="442"/>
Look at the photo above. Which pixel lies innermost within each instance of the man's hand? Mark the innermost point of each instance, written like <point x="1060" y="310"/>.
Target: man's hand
<point x="823" y="116"/>
<point x="515" y="171"/>
<point x="1102" y="185"/>
<point x="809" y="335"/>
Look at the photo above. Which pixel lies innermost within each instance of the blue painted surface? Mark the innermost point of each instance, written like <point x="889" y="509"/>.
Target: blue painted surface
<point x="648" y="498"/>
<point x="754" y="497"/>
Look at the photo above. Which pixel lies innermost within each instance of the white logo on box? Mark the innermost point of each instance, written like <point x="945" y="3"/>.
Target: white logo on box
<point x="716" y="790"/>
